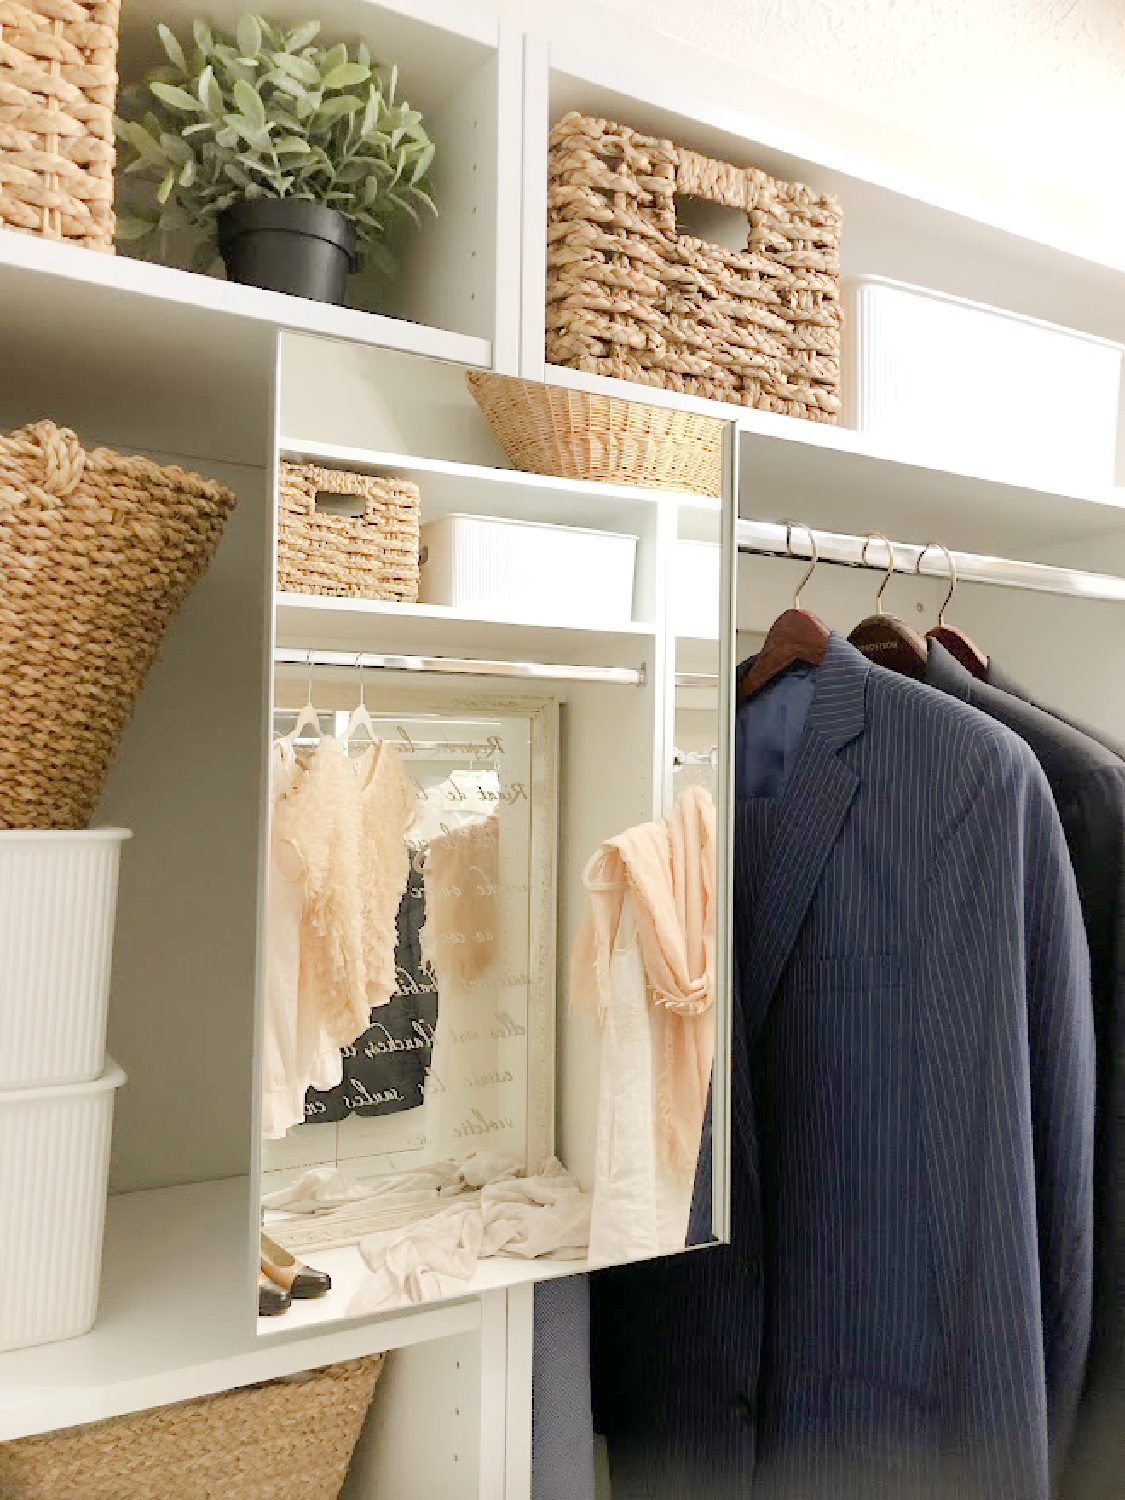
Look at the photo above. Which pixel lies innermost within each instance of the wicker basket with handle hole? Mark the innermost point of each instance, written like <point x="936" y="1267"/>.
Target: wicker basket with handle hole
<point x="629" y="294"/>
<point x="365" y="550"/>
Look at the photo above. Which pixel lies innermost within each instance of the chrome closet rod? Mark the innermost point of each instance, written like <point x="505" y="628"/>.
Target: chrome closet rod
<point x="768" y="539"/>
<point x="456" y="666"/>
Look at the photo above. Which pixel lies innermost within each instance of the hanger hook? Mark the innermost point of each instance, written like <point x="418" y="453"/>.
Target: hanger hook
<point x="877" y="536"/>
<point x="789" y="525"/>
<point x="952" y="575"/>
<point x="310" y="696"/>
<point x="359" y="668"/>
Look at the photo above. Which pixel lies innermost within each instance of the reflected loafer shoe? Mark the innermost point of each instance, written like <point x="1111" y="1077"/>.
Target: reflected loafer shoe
<point x="297" y="1279"/>
<point x="272" y="1299"/>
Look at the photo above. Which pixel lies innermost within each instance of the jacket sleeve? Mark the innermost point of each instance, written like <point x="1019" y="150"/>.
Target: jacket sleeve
<point x="1006" y="1069"/>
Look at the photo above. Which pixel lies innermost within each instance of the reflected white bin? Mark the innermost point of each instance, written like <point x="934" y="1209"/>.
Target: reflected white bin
<point x="58" y="901"/>
<point x="54" y="1168"/>
<point x="964" y="386"/>
<point x="526" y="570"/>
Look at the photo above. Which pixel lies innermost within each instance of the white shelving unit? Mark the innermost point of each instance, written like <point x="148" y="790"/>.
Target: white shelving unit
<point x="226" y="379"/>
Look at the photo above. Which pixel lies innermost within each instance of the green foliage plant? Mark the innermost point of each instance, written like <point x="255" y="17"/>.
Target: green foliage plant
<point x="269" y="114"/>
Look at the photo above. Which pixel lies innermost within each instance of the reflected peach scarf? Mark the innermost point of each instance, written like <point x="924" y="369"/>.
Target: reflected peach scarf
<point x="670" y="869"/>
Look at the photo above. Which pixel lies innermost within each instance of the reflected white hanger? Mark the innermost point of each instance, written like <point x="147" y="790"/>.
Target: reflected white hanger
<point x="360" y="718"/>
<point x="308" y="718"/>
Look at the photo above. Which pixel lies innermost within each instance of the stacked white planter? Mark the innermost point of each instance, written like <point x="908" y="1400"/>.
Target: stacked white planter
<point x="58" y="900"/>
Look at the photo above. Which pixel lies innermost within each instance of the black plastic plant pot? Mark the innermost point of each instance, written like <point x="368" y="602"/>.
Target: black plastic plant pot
<point x="288" y="245"/>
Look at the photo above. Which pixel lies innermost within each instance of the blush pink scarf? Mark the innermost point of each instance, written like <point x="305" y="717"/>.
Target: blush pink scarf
<point x="669" y="868"/>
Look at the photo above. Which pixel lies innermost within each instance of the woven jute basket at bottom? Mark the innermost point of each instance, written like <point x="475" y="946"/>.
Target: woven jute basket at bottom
<point x="289" y="1440"/>
<point x="545" y="429"/>
<point x="98" y="551"/>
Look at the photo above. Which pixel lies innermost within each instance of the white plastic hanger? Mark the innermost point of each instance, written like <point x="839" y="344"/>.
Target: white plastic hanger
<point x="308" y="718"/>
<point x="360" y="718"/>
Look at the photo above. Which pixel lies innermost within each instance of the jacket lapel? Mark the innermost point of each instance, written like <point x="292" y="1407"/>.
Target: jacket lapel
<point x="818" y="793"/>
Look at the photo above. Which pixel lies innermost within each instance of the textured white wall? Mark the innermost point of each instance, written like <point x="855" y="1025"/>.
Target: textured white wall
<point x="1019" y="104"/>
<point x="1038" y="79"/>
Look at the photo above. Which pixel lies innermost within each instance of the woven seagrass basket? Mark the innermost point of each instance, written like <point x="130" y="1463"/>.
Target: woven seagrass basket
<point x="545" y="429"/>
<point x="97" y="553"/>
<point x="630" y="295"/>
<point x="324" y="549"/>
<point x="288" y="1440"/>
<point x="58" y="88"/>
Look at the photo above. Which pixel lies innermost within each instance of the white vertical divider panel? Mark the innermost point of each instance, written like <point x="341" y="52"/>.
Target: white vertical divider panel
<point x="668" y="532"/>
<point x="447" y="271"/>
<point x="429" y="1423"/>
<point x="536" y="126"/>
<point x="493" y="1376"/>
<point x="508" y="204"/>
<point x="521" y="1331"/>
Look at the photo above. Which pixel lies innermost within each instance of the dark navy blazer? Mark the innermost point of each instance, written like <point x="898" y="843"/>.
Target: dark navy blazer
<point x="906" y="1297"/>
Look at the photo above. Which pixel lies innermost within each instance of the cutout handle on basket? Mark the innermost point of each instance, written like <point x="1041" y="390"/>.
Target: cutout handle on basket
<point x="335" y="503"/>
<point x="705" y="189"/>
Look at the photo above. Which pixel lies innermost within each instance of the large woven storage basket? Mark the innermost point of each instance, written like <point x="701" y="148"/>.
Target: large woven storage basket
<point x="629" y="295"/>
<point x="97" y="553"/>
<point x="58" y="88"/>
<point x="370" y="555"/>
<point x="575" y="435"/>
<point x="289" y="1440"/>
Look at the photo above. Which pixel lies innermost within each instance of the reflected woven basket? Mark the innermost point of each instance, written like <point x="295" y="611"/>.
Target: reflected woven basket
<point x="545" y="429"/>
<point x="98" y="551"/>
<point x="288" y="1440"/>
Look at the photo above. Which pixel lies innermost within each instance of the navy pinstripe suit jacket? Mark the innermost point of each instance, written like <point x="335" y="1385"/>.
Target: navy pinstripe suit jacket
<point x="904" y="1307"/>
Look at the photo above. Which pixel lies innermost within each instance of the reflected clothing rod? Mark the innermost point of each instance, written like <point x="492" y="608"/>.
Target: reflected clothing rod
<point x="768" y="539"/>
<point x="456" y="666"/>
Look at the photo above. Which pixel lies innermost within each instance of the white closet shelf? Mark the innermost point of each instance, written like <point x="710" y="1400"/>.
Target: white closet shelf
<point x="450" y="488"/>
<point x="310" y="622"/>
<point x="32" y="267"/>
<point x="177" y="1319"/>
<point x="825" y="473"/>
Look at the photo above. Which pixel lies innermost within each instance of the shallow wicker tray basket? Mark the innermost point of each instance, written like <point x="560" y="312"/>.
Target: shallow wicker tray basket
<point x="58" y="88"/>
<point x="546" y="429"/>
<point x="288" y="1440"/>
<point x="370" y="555"/>
<point x="630" y="294"/>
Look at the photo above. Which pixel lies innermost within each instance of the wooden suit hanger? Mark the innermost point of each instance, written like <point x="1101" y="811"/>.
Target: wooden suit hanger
<point x="883" y="639"/>
<point x="955" y="641"/>
<point x="308" y="718"/>
<point x="794" y="637"/>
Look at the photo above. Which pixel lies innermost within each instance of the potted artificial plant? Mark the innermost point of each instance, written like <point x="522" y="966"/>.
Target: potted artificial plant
<point x="292" y="160"/>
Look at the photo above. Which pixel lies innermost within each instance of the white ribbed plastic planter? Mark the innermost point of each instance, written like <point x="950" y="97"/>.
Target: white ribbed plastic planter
<point x="58" y="899"/>
<point x="54" y="1166"/>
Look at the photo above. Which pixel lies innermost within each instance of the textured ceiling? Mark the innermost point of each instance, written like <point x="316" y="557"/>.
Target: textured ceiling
<point x="1041" y="80"/>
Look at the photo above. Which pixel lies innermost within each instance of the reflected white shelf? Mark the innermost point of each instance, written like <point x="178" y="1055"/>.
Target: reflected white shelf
<point x="177" y="1319"/>
<point x="449" y="488"/>
<point x="312" y="622"/>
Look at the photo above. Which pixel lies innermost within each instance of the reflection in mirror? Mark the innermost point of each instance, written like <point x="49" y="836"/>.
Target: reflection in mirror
<point x="408" y="1046"/>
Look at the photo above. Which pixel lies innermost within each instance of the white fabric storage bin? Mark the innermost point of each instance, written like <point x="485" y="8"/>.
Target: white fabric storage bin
<point x="547" y="575"/>
<point x="58" y="900"/>
<point x="54" y="1167"/>
<point x="966" y="386"/>
<point x="694" y="589"/>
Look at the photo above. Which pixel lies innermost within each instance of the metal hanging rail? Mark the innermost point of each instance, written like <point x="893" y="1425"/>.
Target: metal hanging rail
<point x="776" y="539"/>
<point x="456" y="666"/>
